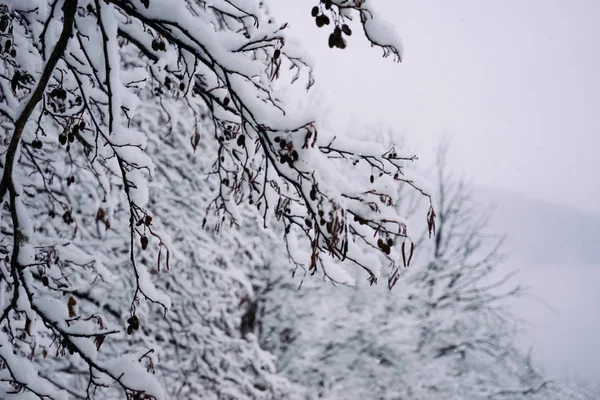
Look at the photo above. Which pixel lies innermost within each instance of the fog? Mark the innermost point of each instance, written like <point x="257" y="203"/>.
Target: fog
<point x="515" y="87"/>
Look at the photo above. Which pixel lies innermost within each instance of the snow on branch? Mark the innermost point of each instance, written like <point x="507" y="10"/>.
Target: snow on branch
<point x="83" y="239"/>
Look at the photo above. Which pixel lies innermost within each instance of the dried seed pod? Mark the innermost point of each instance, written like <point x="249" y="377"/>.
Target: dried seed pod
<point x="144" y="242"/>
<point x="331" y="41"/>
<point x="4" y="22"/>
<point x="320" y="21"/>
<point x="195" y="140"/>
<point x="314" y="12"/>
<point x="98" y="340"/>
<point x="241" y="140"/>
<point x="71" y="306"/>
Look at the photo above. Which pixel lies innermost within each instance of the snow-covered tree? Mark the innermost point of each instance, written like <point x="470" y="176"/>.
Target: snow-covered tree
<point x="443" y="332"/>
<point x="113" y="113"/>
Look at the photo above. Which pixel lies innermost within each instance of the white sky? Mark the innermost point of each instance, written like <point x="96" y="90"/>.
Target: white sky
<point x="516" y="84"/>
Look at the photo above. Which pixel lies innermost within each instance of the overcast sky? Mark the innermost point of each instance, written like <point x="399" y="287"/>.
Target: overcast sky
<point x="516" y="85"/>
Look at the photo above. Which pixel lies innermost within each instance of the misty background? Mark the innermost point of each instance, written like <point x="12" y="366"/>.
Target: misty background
<point x="514" y="87"/>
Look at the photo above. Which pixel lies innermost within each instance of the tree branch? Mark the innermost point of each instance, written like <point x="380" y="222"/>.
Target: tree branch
<point x="69" y="9"/>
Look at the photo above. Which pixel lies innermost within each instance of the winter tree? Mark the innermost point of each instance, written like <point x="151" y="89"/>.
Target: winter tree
<point x="443" y="332"/>
<point x="132" y="128"/>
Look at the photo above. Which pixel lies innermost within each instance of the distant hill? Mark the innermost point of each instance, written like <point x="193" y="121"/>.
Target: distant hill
<point x="557" y="252"/>
<point x="542" y="232"/>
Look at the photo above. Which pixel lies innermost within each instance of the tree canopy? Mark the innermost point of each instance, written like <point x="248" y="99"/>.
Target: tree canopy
<point x="130" y="129"/>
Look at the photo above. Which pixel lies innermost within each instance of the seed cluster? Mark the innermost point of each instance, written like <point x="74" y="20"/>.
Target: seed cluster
<point x="57" y="100"/>
<point x="133" y="324"/>
<point x="158" y="45"/>
<point x="287" y="153"/>
<point x="6" y="34"/>
<point x="321" y="19"/>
